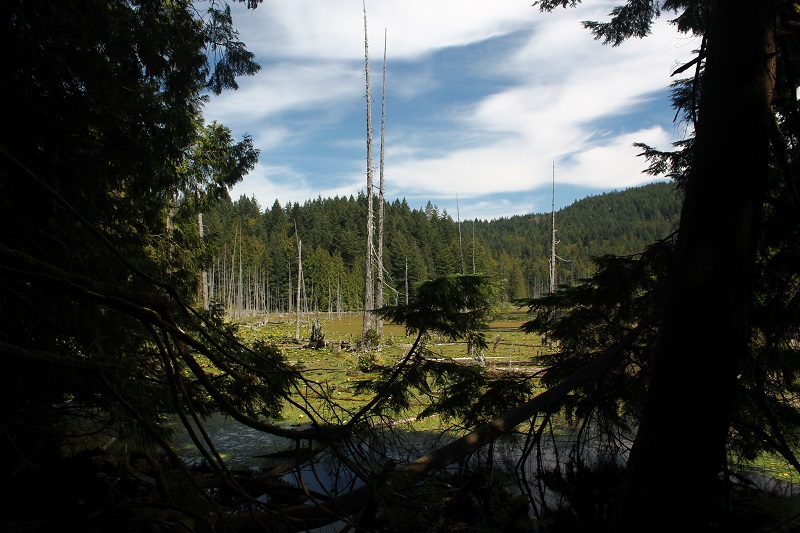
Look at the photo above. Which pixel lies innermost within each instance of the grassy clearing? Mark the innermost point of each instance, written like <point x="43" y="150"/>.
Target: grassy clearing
<point x="771" y="465"/>
<point x="337" y="367"/>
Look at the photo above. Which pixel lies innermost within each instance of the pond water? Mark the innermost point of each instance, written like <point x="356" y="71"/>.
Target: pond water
<point x="244" y="448"/>
<point x="238" y="444"/>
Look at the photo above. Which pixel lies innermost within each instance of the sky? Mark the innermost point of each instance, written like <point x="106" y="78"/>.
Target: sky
<point x="485" y="102"/>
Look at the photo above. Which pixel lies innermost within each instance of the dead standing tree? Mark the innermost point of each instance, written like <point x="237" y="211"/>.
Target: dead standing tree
<point x="369" y="284"/>
<point x="553" y="241"/>
<point x="299" y="286"/>
<point x="379" y="295"/>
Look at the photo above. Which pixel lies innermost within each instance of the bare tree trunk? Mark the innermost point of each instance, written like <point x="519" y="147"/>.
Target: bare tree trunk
<point x="231" y="281"/>
<point x="265" y="293"/>
<point x="406" y="280"/>
<point x="299" y="284"/>
<point x="553" y="241"/>
<point x="460" y="245"/>
<point x="170" y="226"/>
<point x="211" y="286"/>
<point x="369" y="284"/>
<point x="204" y="272"/>
<point x="338" y="293"/>
<point x="256" y="291"/>
<point x="250" y="294"/>
<point x="379" y="295"/>
<point x="239" y="294"/>
<point x="473" y="245"/>
<point x="680" y="445"/>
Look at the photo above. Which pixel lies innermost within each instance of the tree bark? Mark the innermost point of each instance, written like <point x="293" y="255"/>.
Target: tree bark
<point x="680" y="445"/>
<point x="379" y="288"/>
<point x="204" y="273"/>
<point x="299" y="285"/>
<point x="369" y="284"/>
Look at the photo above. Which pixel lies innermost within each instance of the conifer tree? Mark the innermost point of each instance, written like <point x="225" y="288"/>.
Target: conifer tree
<point x="706" y="312"/>
<point x="97" y="336"/>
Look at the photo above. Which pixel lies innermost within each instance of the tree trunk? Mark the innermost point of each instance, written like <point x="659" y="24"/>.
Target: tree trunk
<point x="231" y="280"/>
<point x="460" y="244"/>
<point x="299" y="284"/>
<point x="406" y="302"/>
<point x="379" y="295"/>
<point x="369" y="284"/>
<point x="240" y="293"/>
<point x="473" y="245"/>
<point x="204" y="273"/>
<point x="680" y="445"/>
<point x="553" y="241"/>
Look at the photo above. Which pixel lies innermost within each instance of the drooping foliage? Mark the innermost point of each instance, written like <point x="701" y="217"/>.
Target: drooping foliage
<point x="618" y="305"/>
<point x="454" y="307"/>
<point x="716" y="365"/>
<point x="101" y="178"/>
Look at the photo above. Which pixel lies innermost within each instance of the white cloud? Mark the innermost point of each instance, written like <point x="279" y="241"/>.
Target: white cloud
<point x="289" y="86"/>
<point x="551" y="99"/>
<point x="551" y="114"/>
<point x="284" y="183"/>
<point x="615" y="163"/>
<point x="334" y="30"/>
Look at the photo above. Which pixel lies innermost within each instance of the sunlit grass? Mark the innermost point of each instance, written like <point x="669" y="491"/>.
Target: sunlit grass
<point x="771" y="465"/>
<point x="334" y="370"/>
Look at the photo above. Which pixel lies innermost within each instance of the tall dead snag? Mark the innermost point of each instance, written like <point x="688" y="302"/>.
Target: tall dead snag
<point x="473" y="245"/>
<point x="204" y="272"/>
<point x="460" y="245"/>
<point x="553" y="241"/>
<point x="201" y="233"/>
<point x="299" y="285"/>
<point x="369" y="284"/>
<point x="379" y="295"/>
<point x="240" y="288"/>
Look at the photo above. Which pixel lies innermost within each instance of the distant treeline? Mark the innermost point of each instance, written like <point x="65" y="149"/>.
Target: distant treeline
<point x="252" y="251"/>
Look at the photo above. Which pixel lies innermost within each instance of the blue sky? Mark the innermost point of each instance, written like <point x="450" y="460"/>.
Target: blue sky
<point x="482" y="99"/>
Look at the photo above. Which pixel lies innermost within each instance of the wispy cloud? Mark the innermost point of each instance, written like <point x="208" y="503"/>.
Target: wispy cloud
<point x="482" y="99"/>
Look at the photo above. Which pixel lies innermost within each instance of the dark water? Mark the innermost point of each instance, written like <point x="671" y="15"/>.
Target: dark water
<point x="238" y="444"/>
<point x="242" y="448"/>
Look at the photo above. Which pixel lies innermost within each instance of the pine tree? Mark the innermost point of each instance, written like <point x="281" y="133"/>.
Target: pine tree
<point x="706" y="309"/>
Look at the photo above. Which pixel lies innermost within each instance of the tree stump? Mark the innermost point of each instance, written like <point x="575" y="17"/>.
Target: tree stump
<point x="317" y="338"/>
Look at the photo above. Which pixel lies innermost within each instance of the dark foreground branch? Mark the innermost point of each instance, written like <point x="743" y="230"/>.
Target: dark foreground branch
<point x="303" y="517"/>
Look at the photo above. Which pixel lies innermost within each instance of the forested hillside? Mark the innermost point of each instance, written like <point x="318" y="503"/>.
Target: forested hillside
<point x="258" y="246"/>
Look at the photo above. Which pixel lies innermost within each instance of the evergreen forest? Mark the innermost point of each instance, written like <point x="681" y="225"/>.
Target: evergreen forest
<point x="669" y="355"/>
<point x="420" y="244"/>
